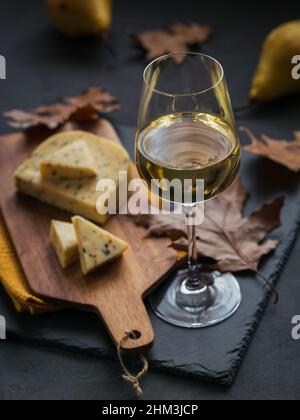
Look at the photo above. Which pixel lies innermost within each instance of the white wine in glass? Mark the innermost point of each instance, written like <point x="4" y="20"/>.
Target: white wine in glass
<point x="186" y="131"/>
<point x="190" y="146"/>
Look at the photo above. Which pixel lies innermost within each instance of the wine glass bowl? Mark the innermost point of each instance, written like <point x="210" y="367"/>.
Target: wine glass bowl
<point x="187" y="149"/>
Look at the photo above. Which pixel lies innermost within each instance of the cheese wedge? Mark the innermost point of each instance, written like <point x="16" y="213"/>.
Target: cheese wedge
<point x="72" y="161"/>
<point x="96" y="245"/>
<point x="64" y="241"/>
<point x="79" y="196"/>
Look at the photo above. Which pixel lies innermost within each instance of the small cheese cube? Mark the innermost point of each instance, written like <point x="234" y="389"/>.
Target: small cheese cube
<point x="96" y="246"/>
<point x="64" y="241"/>
<point x="73" y="161"/>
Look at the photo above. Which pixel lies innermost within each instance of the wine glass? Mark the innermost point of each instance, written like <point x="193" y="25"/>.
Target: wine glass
<point x="186" y="131"/>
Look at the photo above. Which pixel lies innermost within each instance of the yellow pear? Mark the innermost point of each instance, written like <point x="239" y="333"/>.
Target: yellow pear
<point x="80" y="17"/>
<point x="273" y="77"/>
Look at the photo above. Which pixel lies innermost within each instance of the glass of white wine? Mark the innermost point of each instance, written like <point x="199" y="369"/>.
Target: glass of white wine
<point x="186" y="131"/>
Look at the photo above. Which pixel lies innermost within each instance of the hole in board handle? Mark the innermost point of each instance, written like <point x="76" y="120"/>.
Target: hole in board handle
<point x="135" y="335"/>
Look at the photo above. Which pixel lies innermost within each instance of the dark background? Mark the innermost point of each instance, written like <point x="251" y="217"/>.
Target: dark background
<point x="43" y="66"/>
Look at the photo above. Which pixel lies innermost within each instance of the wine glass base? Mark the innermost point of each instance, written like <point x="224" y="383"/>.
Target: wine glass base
<point x="177" y="305"/>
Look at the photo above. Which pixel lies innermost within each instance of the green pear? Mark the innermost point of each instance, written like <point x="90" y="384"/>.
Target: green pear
<point x="80" y="17"/>
<point x="274" y="74"/>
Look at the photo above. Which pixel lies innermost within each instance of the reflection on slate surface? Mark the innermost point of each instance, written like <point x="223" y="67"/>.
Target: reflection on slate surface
<point x="214" y="353"/>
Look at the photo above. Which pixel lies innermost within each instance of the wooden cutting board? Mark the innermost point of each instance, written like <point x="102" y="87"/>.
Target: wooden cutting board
<point x="115" y="292"/>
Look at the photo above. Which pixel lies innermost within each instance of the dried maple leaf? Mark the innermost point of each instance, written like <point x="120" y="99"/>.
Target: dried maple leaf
<point x="50" y="116"/>
<point x="83" y="107"/>
<point x="233" y="241"/>
<point x="95" y="98"/>
<point x="192" y="34"/>
<point x="176" y="39"/>
<point x="158" y="43"/>
<point x="286" y="153"/>
<point x="239" y="247"/>
<point x="174" y="225"/>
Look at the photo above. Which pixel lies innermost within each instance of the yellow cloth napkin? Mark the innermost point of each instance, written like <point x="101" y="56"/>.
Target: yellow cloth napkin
<point x="14" y="281"/>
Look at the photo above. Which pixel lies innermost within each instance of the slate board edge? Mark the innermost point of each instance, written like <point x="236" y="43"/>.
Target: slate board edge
<point x="96" y="352"/>
<point x="275" y="277"/>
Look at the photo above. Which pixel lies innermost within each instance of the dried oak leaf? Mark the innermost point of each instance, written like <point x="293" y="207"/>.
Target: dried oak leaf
<point x="83" y="107"/>
<point x="233" y="241"/>
<point x="286" y="153"/>
<point x="176" y="39"/>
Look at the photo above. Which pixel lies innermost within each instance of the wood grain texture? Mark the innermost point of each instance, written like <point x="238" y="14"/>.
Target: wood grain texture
<point x="116" y="291"/>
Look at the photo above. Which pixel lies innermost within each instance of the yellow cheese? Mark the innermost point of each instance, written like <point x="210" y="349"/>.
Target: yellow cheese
<point x="64" y="241"/>
<point x="72" y="161"/>
<point x="74" y="195"/>
<point x="96" y="245"/>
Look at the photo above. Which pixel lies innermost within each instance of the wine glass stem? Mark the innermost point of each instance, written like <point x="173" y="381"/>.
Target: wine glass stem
<point x="194" y="277"/>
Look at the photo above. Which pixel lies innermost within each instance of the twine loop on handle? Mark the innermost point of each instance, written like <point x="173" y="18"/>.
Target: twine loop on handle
<point x="128" y="376"/>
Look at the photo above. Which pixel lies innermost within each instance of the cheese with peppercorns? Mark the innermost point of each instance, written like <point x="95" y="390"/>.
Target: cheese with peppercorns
<point x="64" y="241"/>
<point x="73" y="161"/>
<point x="78" y="196"/>
<point x="96" y="246"/>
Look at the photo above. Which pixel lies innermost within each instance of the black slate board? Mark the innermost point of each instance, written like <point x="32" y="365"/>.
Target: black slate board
<point x="214" y="353"/>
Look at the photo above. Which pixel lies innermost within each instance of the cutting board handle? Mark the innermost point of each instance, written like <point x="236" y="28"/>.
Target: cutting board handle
<point x="130" y="316"/>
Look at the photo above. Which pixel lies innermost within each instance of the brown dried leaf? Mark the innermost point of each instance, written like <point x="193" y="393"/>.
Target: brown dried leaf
<point x="193" y="34"/>
<point x="50" y="116"/>
<point x="176" y="39"/>
<point x="95" y="98"/>
<point x="158" y="43"/>
<point x="172" y="225"/>
<point x="239" y="248"/>
<point x="286" y="153"/>
<point x="81" y="108"/>
<point x="233" y="241"/>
